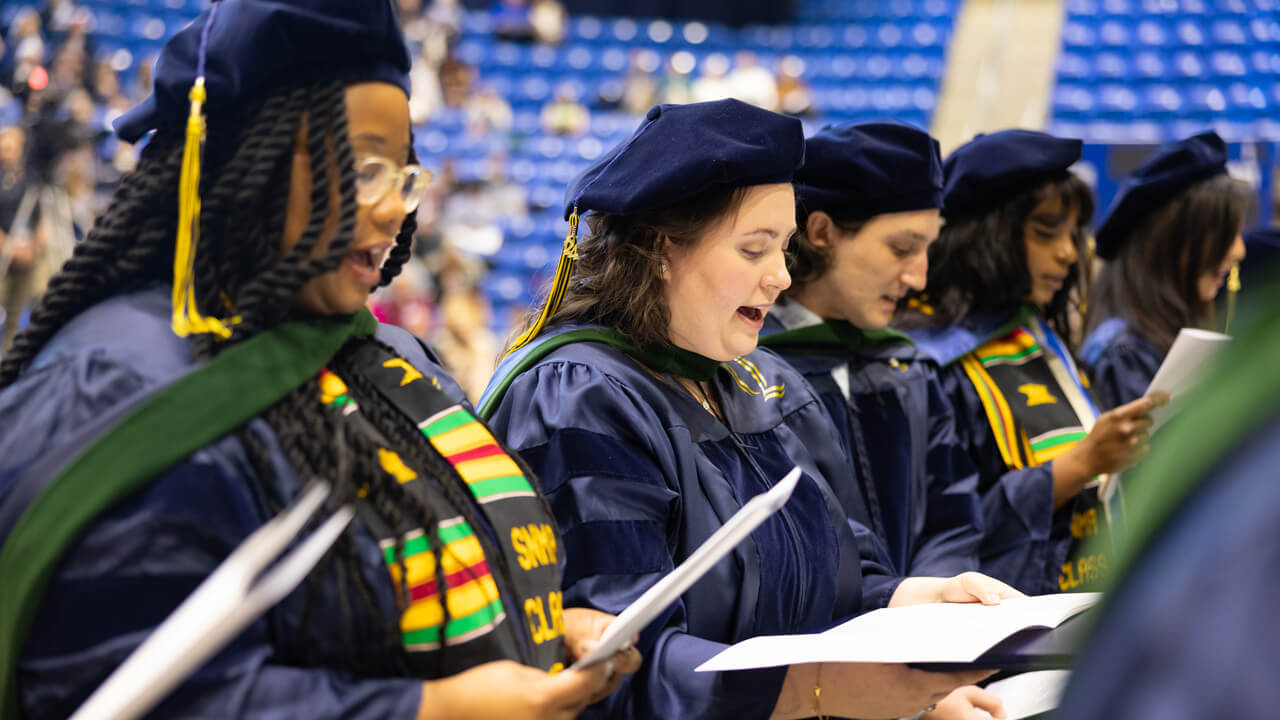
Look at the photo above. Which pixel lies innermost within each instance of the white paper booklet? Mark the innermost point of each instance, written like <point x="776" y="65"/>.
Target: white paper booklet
<point x="1185" y="365"/>
<point x="1030" y="693"/>
<point x="664" y="592"/>
<point x="930" y="633"/>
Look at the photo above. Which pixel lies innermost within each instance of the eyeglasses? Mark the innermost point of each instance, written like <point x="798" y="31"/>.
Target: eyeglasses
<point x="376" y="175"/>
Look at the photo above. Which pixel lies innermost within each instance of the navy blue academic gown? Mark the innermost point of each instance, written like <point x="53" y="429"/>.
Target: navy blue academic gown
<point x="1120" y="362"/>
<point x="899" y="428"/>
<point x="141" y="558"/>
<point x="639" y="475"/>
<point x="1192" y="631"/>
<point x="1025" y="542"/>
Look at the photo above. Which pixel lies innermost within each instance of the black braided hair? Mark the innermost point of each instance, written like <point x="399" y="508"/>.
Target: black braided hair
<point x="238" y="269"/>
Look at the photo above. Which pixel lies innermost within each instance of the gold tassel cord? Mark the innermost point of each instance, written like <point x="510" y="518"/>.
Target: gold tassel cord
<point x="560" y="285"/>
<point x="1233" y="289"/>
<point x="186" y="313"/>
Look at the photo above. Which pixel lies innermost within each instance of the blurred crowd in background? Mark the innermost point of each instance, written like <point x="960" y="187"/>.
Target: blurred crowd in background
<point x="59" y="161"/>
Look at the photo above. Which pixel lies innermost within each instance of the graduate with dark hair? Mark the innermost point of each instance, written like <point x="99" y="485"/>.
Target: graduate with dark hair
<point x="1171" y="239"/>
<point x="1205" y="509"/>
<point x="640" y="398"/>
<point x="867" y="210"/>
<point x="994" y="314"/>
<point x="206" y="352"/>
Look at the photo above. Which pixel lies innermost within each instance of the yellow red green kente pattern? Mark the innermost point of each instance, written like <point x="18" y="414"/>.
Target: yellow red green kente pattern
<point x="474" y="603"/>
<point x="1017" y="450"/>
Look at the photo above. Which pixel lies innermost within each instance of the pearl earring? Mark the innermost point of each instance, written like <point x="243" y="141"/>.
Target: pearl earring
<point x="663" y="269"/>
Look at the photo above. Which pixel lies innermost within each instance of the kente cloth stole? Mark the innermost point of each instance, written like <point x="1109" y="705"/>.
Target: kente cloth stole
<point x="1039" y="408"/>
<point x="528" y="568"/>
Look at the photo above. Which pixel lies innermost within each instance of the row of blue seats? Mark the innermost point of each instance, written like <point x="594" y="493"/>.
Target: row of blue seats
<point x="1238" y="101"/>
<point x="665" y="34"/>
<point x="1151" y="131"/>
<point x="616" y="59"/>
<point x="875" y="9"/>
<point x="1086" y="33"/>
<point x="1182" y="65"/>
<point x="190" y="7"/>
<point x="603" y="124"/>
<point x="1097" y="8"/>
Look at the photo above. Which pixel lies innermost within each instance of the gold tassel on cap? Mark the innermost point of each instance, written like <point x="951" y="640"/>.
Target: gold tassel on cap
<point x="1233" y="289"/>
<point x="564" y="272"/>
<point x="186" y="312"/>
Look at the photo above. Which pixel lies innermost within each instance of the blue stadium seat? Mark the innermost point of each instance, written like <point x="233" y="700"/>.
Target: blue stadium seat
<point x="1228" y="64"/>
<point x="1076" y="34"/>
<point x="1265" y="62"/>
<point x="1073" y="66"/>
<point x="1189" y="33"/>
<point x="1111" y="65"/>
<point x="1150" y="64"/>
<point x="1229" y="31"/>
<point x="1152" y="34"/>
<point x="1161" y="100"/>
<point x="1115" y="33"/>
<point x="1186" y="64"/>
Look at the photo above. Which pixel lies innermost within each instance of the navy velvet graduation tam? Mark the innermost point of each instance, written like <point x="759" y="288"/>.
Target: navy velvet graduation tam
<point x="857" y="171"/>
<point x="983" y="172"/>
<point x="1172" y="169"/>
<point x="258" y="47"/>
<point x="680" y="151"/>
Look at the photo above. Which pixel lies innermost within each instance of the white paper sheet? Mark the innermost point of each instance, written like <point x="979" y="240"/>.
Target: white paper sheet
<point x="1185" y="365"/>
<point x="935" y="632"/>
<point x="664" y="592"/>
<point x="1031" y="693"/>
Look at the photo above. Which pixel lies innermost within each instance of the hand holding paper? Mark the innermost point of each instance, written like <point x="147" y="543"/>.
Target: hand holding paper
<point x="1189" y="358"/>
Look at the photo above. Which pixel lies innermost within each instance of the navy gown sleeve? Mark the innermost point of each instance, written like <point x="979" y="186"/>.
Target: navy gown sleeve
<point x="1124" y="369"/>
<point x="604" y="460"/>
<point x="1192" y="631"/>
<point x="1017" y="504"/>
<point x="137" y="562"/>
<point x="953" y="522"/>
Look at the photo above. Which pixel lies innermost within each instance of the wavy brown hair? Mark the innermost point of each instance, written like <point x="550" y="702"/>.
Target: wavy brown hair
<point x="1153" y="283"/>
<point x="616" y="280"/>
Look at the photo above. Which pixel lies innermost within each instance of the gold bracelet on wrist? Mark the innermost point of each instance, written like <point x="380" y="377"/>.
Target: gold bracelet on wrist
<point x="817" y="694"/>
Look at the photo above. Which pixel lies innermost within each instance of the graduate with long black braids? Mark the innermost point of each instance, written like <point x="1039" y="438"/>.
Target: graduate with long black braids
<point x="1171" y="241"/>
<point x="639" y="396"/>
<point x="995" y="315"/>
<point x="206" y="352"/>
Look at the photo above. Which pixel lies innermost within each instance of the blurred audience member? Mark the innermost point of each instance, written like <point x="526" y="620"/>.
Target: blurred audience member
<point x="406" y="302"/>
<point x="487" y="111"/>
<point x="713" y="84"/>
<point x="564" y="115"/>
<point x="426" y="97"/>
<point x="464" y="341"/>
<point x="677" y="87"/>
<point x="510" y="20"/>
<point x="455" y="81"/>
<point x="794" y="96"/>
<point x="640" y="86"/>
<point x="22" y="238"/>
<point x="751" y="82"/>
<point x="548" y="20"/>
